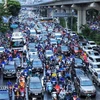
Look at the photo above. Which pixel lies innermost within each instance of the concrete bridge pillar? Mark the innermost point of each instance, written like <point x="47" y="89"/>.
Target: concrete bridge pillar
<point x="81" y="19"/>
<point x="81" y="16"/>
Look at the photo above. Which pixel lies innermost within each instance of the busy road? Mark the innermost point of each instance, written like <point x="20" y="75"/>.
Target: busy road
<point x="41" y="60"/>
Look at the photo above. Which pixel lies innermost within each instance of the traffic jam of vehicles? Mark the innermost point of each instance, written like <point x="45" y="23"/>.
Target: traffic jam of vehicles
<point x="45" y="58"/>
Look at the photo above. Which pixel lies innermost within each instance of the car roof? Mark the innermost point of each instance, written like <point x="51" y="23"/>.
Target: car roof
<point x="97" y="69"/>
<point x="84" y="78"/>
<point x="34" y="79"/>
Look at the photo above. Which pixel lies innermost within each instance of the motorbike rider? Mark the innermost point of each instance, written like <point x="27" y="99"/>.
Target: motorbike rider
<point x="9" y="83"/>
<point x="62" y="93"/>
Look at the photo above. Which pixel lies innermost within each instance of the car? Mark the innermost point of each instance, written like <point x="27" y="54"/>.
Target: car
<point x="93" y="54"/>
<point x="82" y="44"/>
<point x="85" y="86"/>
<point x="4" y="93"/>
<point x="32" y="32"/>
<point x="87" y="48"/>
<point x="92" y="66"/>
<point x="93" y="59"/>
<point x="2" y="49"/>
<point x="32" y="57"/>
<point x="58" y="36"/>
<point x="9" y="71"/>
<point x="66" y="40"/>
<point x="48" y="53"/>
<point x="37" y="65"/>
<point x="79" y="63"/>
<point x="65" y="49"/>
<point x="92" y="44"/>
<point x="97" y="48"/>
<point x="33" y="51"/>
<point x="76" y="72"/>
<point x="31" y="45"/>
<point x="35" y="88"/>
<point x="96" y="76"/>
<point x="17" y="63"/>
<point x="72" y="33"/>
<point x="53" y="41"/>
<point x="76" y="50"/>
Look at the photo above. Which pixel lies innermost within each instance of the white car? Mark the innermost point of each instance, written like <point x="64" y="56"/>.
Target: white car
<point x="2" y="49"/>
<point x="87" y="49"/>
<point x="48" y="53"/>
<point x="92" y="44"/>
<point x="53" y="41"/>
<point x="33" y="51"/>
<point x="94" y="59"/>
<point x="93" y="54"/>
<point x="93" y="65"/>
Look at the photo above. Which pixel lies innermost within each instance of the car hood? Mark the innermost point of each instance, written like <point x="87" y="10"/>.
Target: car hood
<point x="36" y="91"/>
<point x="88" y="88"/>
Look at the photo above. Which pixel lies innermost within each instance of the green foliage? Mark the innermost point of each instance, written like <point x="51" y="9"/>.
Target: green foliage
<point x="3" y="12"/>
<point x="90" y="34"/>
<point x="72" y="20"/>
<point x="62" y="22"/>
<point x="13" y="7"/>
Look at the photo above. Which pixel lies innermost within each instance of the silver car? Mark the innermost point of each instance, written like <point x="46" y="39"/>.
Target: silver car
<point x="85" y="86"/>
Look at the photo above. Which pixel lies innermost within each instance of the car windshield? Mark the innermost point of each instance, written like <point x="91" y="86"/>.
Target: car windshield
<point x="64" y="48"/>
<point x="37" y="63"/>
<point x="92" y="43"/>
<point x="96" y="54"/>
<point x="86" y="83"/>
<point x="4" y="95"/>
<point x="32" y="50"/>
<point x="49" y="52"/>
<point x="77" y="60"/>
<point x="33" y="32"/>
<point x="9" y="67"/>
<point x="98" y="60"/>
<point x="53" y="40"/>
<point x="35" y="85"/>
<point x="1" y="48"/>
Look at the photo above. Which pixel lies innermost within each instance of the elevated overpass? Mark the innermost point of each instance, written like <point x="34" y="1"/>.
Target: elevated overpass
<point x="56" y="7"/>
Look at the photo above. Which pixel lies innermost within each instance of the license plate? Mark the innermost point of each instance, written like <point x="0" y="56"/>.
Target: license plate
<point x="9" y="75"/>
<point x="36" y="93"/>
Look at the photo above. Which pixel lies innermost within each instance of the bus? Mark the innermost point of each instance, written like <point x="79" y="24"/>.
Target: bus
<point x="18" y="41"/>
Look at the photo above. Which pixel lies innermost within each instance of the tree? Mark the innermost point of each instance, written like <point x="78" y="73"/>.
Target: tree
<point x="13" y="7"/>
<point x="62" y="22"/>
<point x="3" y="13"/>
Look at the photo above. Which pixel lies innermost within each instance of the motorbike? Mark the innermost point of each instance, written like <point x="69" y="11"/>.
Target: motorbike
<point x="22" y="93"/>
<point x="54" y="95"/>
<point x="53" y="81"/>
<point x="62" y="96"/>
<point x="49" y="87"/>
<point x="68" y="96"/>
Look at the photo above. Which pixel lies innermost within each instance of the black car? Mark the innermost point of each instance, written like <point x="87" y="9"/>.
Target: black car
<point x="79" y="63"/>
<point x="9" y="71"/>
